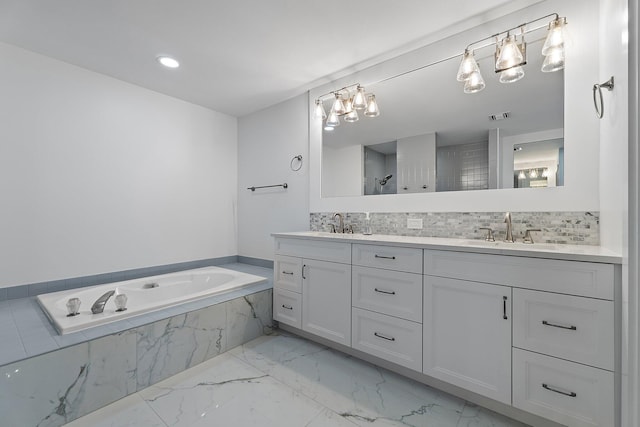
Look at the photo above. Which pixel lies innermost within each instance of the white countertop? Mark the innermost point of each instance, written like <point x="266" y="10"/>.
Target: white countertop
<point x="536" y="250"/>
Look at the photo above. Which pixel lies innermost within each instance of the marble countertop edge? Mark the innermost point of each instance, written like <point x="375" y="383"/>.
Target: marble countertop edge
<point x="585" y="253"/>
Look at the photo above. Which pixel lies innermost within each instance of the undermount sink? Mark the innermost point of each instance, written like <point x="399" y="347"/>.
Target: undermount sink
<point x="507" y="245"/>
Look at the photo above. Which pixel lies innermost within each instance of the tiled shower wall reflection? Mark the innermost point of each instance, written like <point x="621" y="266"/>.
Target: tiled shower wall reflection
<point x="575" y="228"/>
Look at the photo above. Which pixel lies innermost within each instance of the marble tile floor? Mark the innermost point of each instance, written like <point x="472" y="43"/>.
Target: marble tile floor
<point x="284" y="380"/>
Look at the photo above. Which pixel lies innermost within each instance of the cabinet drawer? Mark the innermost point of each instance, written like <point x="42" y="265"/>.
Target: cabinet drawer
<point x="388" y="257"/>
<point x="565" y="277"/>
<point x="396" y="340"/>
<point x="574" y="328"/>
<point x="287" y="306"/>
<point x="287" y="273"/>
<point x="315" y="249"/>
<point x="389" y="292"/>
<point x="565" y="392"/>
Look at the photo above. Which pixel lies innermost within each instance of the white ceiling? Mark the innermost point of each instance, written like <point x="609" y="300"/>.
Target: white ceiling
<point x="237" y="56"/>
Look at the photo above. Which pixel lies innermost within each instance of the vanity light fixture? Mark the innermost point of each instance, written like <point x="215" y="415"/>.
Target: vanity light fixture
<point x="511" y="53"/>
<point x="168" y="61"/>
<point x="345" y="105"/>
<point x="521" y="175"/>
<point x="533" y="173"/>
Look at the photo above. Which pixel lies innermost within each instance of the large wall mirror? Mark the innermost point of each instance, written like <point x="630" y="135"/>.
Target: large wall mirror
<point x="432" y="137"/>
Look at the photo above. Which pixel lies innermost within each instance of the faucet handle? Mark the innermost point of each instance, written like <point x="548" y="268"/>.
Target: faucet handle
<point x="489" y="237"/>
<point x="528" y="238"/>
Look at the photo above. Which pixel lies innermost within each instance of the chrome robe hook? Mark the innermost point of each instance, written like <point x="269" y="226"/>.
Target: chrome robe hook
<point x="598" y="88"/>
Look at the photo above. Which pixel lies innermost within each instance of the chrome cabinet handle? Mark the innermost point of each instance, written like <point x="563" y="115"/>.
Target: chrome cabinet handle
<point x="303" y="266"/>
<point x="555" y="390"/>
<point x="288" y="307"/>
<point x="385" y="257"/>
<point x="288" y="272"/>
<point x="555" y="325"/>
<point x="384" y="337"/>
<point x="504" y="308"/>
<point x="382" y="291"/>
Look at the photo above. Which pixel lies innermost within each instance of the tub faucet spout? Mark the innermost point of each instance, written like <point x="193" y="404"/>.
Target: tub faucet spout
<point x="98" y="306"/>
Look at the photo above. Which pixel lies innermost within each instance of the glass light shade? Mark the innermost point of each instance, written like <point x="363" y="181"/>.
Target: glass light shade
<point x="545" y="173"/>
<point x="338" y="105"/>
<point x="372" y="107"/>
<point x="468" y="66"/>
<point x="333" y="120"/>
<point x="554" y="61"/>
<point x="319" y="112"/>
<point x="510" y="54"/>
<point x="555" y="36"/>
<point x="511" y="75"/>
<point x="521" y="175"/>
<point x="475" y="83"/>
<point x="533" y="173"/>
<point x="360" y="99"/>
<point x="352" y="116"/>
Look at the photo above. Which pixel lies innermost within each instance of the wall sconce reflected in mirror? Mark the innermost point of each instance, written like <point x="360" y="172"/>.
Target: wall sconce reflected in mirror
<point x="346" y="105"/>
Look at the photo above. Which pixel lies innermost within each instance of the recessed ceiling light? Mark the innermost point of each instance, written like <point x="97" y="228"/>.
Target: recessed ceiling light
<point x="168" y="61"/>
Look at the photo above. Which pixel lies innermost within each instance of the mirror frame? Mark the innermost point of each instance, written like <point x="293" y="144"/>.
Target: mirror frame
<point x="581" y="132"/>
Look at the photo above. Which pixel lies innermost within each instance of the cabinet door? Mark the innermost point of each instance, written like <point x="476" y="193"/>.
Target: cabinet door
<point x="467" y="335"/>
<point x="326" y="300"/>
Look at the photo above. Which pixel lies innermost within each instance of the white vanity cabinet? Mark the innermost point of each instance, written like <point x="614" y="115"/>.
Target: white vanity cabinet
<point x="387" y="303"/>
<point x="467" y="335"/>
<point x="518" y="327"/>
<point x="312" y="287"/>
<point x="562" y="345"/>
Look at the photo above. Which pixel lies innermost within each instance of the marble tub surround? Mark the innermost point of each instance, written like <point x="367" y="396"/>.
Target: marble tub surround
<point x="55" y="388"/>
<point x="26" y="332"/>
<point x="576" y="228"/>
<point x="283" y="380"/>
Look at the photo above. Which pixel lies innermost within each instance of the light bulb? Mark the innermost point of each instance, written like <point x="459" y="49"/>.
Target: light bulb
<point x="372" y="107"/>
<point x="511" y="75"/>
<point x="509" y="55"/>
<point x="554" y="61"/>
<point x="352" y="116"/>
<point x="360" y="99"/>
<point x="338" y="105"/>
<point x="555" y="36"/>
<point x="333" y="120"/>
<point x="468" y="66"/>
<point x="475" y="83"/>
<point x="521" y="175"/>
<point x="533" y="173"/>
<point x="319" y="112"/>
<point x="348" y="105"/>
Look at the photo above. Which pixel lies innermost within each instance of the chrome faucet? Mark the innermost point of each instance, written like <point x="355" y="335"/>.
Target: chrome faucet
<point x="507" y="220"/>
<point x="98" y="306"/>
<point x="340" y="228"/>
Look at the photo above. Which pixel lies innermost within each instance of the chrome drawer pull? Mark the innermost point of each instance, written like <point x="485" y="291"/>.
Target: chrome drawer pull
<point x="288" y="307"/>
<point x="385" y="257"/>
<point x="566" y="393"/>
<point x="572" y="328"/>
<point x="382" y="291"/>
<point x="288" y="272"/>
<point x="384" y="337"/>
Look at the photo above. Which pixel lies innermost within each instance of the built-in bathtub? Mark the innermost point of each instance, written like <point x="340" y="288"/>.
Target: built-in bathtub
<point x="143" y="295"/>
